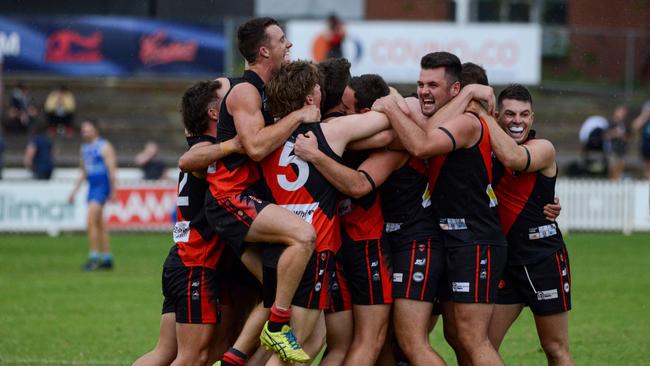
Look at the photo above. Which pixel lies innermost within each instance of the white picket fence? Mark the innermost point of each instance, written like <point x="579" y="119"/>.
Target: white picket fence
<point x="602" y="205"/>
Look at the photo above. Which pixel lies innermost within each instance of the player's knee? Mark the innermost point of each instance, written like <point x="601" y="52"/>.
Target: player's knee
<point x="555" y="349"/>
<point x="451" y="336"/>
<point x="305" y="237"/>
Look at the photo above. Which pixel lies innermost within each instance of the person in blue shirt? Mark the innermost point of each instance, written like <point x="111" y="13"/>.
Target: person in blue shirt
<point x="98" y="168"/>
<point x="38" y="153"/>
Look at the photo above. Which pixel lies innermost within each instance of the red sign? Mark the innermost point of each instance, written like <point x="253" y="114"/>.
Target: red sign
<point x="69" y="46"/>
<point x="142" y="208"/>
<point x="154" y="50"/>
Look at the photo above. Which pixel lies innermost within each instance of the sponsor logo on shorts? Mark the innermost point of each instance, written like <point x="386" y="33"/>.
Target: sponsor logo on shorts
<point x="563" y="271"/>
<point x="195" y="284"/>
<point x="547" y="295"/>
<point x="323" y="256"/>
<point x="460" y="286"/>
<point x="375" y="276"/>
<point x="483" y="262"/>
<point x="195" y="295"/>
<point x="335" y="286"/>
<point x="483" y="275"/>
<point x="392" y="226"/>
<point x="181" y="231"/>
<point x="374" y="264"/>
<point x="566" y="287"/>
<point x="317" y="287"/>
<point x="421" y="247"/>
<point x="449" y="224"/>
<point x="544" y="231"/>
<point x="418" y="277"/>
<point x="420" y="262"/>
<point x="304" y="211"/>
<point x="398" y="277"/>
<point x="502" y="284"/>
<point x="320" y="272"/>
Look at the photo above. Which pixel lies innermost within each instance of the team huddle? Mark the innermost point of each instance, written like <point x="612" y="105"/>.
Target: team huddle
<point x="316" y="209"/>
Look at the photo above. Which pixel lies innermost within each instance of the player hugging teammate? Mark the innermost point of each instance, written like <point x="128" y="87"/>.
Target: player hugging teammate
<point x="345" y="201"/>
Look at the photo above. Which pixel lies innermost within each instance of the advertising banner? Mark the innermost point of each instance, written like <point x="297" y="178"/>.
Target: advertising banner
<point x="110" y="46"/>
<point x="43" y="207"/>
<point x="510" y="53"/>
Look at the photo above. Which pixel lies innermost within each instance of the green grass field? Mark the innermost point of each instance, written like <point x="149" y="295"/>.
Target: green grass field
<point x="52" y="313"/>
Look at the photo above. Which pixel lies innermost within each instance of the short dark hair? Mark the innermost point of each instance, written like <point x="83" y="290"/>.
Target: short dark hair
<point x="251" y="35"/>
<point x="367" y="88"/>
<point x="195" y="103"/>
<point x="516" y="92"/>
<point x="334" y="77"/>
<point x="288" y="89"/>
<point x="449" y="61"/>
<point x="473" y="74"/>
<point x="93" y="122"/>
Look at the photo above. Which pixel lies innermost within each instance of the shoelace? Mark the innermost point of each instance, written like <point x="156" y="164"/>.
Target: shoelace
<point x="292" y="340"/>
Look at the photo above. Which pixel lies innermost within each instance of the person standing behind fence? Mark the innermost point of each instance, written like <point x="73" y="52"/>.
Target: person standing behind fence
<point x="38" y="153"/>
<point x="615" y="143"/>
<point x="642" y="123"/>
<point x="98" y="167"/>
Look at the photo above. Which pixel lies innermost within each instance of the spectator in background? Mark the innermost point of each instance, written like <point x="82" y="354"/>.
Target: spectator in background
<point x="147" y="160"/>
<point x="615" y="143"/>
<point x="2" y="150"/>
<point x="60" y="108"/>
<point x="335" y="36"/>
<point x="99" y="168"/>
<point x="642" y="123"/>
<point x="22" y="110"/>
<point x="38" y="154"/>
<point x="591" y="137"/>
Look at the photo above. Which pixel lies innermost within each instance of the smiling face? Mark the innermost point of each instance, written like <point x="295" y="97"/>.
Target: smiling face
<point x="277" y="47"/>
<point x="434" y="90"/>
<point x="516" y="118"/>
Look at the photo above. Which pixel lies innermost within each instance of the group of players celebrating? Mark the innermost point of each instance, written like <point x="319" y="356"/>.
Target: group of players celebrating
<point x="361" y="215"/>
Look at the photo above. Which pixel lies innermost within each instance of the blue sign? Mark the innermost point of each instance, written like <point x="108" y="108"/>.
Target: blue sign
<point x="110" y="46"/>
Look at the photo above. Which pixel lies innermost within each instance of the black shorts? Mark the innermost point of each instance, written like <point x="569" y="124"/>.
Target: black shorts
<point x="367" y="266"/>
<point x="417" y="269"/>
<point x="544" y="286"/>
<point x="340" y="296"/>
<point x="231" y="217"/>
<point x="474" y="271"/>
<point x="313" y="290"/>
<point x="192" y="294"/>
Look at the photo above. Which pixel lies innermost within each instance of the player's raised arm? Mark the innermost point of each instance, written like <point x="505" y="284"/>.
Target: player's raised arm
<point x="459" y="104"/>
<point x="342" y="130"/>
<point x="245" y="105"/>
<point x="201" y="155"/>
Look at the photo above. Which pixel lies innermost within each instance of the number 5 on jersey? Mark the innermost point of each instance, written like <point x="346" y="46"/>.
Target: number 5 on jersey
<point x="287" y="158"/>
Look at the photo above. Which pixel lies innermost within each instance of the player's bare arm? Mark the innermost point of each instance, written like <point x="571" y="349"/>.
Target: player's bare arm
<point x="536" y="155"/>
<point x="458" y="132"/>
<point x="245" y="105"/>
<point x="381" y="139"/>
<point x="342" y="130"/>
<point x="353" y="183"/>
<point x="111" y="164"/>
<point x="201" y="155"/>
<point x="78" y="182"/>
<point x="459" y="104"/>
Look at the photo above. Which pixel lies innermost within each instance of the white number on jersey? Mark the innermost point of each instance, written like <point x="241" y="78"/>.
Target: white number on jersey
<point x="303" y="169"/>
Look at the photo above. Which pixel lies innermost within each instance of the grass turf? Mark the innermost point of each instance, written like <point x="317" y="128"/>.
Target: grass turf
<point x="53" y="313"/>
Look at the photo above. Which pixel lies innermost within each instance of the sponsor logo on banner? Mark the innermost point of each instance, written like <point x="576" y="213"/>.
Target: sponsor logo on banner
<point x="156" y="49"/>
<point x="69" y="46"/>
<point x="460" y="286"/>
<point x="9" y="44"/>
<point x="141" y="206"/>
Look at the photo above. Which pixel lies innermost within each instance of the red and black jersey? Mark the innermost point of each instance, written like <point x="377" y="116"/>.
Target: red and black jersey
<point x="196" y="242"/>
<point x="361" y="218"/>
<point x="236" y="172"/>
<point x="462" y="196"/>
<point x="406" y="203"/>
<point x="300" y="187"/>
<point x="522" y="197"/>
